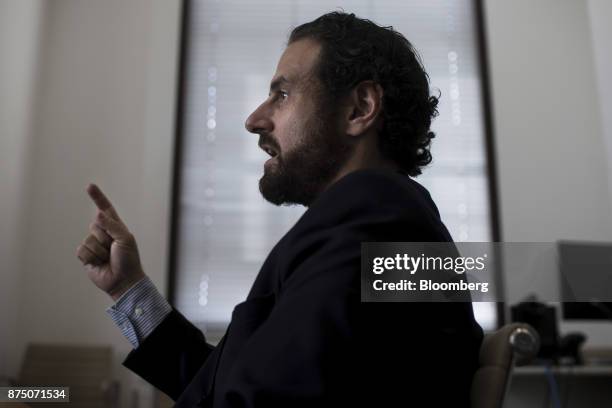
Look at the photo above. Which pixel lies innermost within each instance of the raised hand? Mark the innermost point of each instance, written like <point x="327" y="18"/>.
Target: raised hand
<point x="109" y="252"/>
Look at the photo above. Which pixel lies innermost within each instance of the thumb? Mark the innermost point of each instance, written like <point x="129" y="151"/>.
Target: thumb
<point x="117" y="231"/>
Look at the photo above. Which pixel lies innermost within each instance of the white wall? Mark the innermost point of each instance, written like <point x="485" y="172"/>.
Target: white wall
<point x="19" y="38"/>
<point x="551" y="151"/>
<point x="600" y="14"/>
<point x="103" y="112"/>
<point x="551" y="156"/>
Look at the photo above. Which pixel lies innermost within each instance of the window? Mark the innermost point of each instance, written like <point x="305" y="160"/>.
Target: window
<point x="224" y="228"/>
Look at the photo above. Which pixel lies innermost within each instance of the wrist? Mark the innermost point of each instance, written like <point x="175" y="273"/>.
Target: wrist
<point x="117" y="292"/>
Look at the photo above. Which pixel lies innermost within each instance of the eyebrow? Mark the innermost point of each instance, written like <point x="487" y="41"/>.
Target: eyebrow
<point x="277" y="82"/>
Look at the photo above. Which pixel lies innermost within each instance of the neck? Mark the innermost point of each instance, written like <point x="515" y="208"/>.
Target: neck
<point x="365" y="156"/>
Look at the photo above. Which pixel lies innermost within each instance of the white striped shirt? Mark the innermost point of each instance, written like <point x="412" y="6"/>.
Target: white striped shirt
<point x="139" y="311"/>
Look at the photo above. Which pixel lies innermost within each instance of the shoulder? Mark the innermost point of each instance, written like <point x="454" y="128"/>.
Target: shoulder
<point x="390" y="205"/>
<point x="378" y="187"/>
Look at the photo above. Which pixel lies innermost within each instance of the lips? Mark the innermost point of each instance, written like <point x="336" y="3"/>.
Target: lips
<point x="270" y="160"/>
<point x="269" y="149"/>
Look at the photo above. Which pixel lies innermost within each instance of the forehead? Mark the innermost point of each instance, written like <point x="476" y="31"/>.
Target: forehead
<point x="298" y="60"/>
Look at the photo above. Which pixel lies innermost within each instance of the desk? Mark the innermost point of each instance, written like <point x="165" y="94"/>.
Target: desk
<point x="583" y="370"/>
<point x="578" y="386"/>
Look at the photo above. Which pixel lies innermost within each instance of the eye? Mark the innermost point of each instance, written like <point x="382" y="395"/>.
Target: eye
<point x="278" y="96"/>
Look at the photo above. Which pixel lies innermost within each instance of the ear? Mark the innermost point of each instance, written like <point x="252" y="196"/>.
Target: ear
<point x="364" y="108"/>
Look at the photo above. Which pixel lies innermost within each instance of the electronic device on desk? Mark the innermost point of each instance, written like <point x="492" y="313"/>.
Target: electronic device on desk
<point x="585" y="270"/>
<point x="586" y="280"/>
<point x="553" y="348"/>
<point x="543" y="319"/>
<point x="586" y="287"/>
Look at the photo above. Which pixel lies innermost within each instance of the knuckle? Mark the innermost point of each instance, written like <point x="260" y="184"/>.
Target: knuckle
<point x="101" y="236"/>
<point x="84" y="256"/>
<point x="98" y="243"/>
<point x="97" y="235"/>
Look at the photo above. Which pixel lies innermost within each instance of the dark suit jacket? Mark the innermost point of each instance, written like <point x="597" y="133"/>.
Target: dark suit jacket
<point x="303" y="338"/>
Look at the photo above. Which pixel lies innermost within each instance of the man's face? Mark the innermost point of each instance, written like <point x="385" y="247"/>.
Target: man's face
<point x="298" y="130"/>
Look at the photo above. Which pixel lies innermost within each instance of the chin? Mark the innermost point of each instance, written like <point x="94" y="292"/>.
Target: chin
<point x="270" y="191"/>
<point x="280" y="188"/>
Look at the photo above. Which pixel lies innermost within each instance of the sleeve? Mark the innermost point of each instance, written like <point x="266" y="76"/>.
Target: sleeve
<point x="139" y="311"/>
<point x="168" y="349"/>
<point x="171" y="355"/>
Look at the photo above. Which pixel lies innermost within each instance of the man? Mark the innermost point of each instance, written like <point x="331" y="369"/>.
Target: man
<point x="346" y="121"/>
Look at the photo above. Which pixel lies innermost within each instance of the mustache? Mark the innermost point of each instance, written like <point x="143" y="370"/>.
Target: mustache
<point x="266" y="139"/>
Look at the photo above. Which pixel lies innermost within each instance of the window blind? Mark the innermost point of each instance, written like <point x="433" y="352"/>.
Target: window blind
<point x="225" y="228"/>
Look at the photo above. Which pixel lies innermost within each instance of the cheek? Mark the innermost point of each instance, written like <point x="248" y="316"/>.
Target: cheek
<point x="288" y="133"/>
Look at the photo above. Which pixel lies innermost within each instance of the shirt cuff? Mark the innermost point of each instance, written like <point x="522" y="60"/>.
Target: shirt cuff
<point x="139" y="311"/>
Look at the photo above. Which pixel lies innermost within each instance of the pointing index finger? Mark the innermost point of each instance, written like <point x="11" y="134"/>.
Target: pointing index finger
<point x="101" y="201"/>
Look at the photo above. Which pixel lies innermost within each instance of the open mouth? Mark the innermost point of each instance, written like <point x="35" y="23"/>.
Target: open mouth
<point x="273" y="156"/>
<point x="268" y="149"/>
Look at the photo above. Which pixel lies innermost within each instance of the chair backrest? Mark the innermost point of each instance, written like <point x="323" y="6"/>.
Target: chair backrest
<point x="515" y="343"/>
<point x="85" y="369"/>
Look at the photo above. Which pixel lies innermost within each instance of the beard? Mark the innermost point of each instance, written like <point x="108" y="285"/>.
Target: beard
<point x="298" y="176"/>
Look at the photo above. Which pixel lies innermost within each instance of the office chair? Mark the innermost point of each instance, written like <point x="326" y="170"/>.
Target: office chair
<point x="516" y="343"/>
<point x="85" y="369"/>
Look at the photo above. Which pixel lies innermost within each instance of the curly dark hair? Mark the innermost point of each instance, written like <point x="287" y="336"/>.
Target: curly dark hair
<point x="354" y="50"/>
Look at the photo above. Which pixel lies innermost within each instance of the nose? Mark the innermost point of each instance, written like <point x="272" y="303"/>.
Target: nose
<point x="259" y="121"/>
